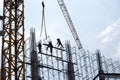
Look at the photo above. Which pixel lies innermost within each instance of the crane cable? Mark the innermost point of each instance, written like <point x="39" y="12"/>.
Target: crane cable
<point x="43" y="20"/>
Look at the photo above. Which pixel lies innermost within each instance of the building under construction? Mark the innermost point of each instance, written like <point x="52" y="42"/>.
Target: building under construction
<point x="67" y="63"/>
<point x="31" y="60"/>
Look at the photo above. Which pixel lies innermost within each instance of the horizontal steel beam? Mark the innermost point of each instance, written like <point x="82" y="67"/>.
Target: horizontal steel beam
<point x="108" y="75"/>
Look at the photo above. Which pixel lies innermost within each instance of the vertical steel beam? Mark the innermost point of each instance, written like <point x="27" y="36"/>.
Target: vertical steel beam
<point x="70" y="71"/>
<point x="34" y="66"/>
<point x="100" y="67"/>
<point x="34" y="56"/>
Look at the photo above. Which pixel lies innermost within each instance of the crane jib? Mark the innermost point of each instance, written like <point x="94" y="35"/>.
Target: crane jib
<point x="69" y="22"/>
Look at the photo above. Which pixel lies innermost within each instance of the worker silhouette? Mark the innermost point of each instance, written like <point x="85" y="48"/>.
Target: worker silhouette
<point x="40" y="48"/>
<point x="59" y="43"/>
<point x="49" y="45"/>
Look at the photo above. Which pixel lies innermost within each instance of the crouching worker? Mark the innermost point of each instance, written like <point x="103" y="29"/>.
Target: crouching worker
<point x="59" y="43"/>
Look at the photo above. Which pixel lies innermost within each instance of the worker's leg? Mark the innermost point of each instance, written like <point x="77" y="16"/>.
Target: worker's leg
<point x="51" y="49"/>
<point x="40" y="50"/>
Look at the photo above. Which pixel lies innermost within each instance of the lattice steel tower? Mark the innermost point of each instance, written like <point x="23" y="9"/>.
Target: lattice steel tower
<point x="13" y="58"/>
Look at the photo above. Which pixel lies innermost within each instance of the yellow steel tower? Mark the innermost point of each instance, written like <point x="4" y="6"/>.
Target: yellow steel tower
<point x="13" y="57"/>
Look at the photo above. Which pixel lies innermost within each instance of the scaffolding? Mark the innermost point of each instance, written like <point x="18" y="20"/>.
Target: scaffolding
<point x="69" y="63"/>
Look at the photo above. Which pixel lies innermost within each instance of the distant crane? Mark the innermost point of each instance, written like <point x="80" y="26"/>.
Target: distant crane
<point x="69" y="22"/>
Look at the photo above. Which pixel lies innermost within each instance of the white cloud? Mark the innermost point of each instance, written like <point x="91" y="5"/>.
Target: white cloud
<point x="110" y="33"/>
<point x="106" y="39"/>
<point x="106" y="31"/>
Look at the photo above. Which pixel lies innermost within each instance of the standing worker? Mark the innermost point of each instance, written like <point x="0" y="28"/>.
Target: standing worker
<point x="40" y="48"/>
<point x="50" y="46"/>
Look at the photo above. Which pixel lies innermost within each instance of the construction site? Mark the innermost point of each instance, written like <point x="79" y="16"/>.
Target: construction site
<point x="27" y="59"/>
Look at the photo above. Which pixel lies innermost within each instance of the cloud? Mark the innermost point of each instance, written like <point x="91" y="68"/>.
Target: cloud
<point x="110" y="40"/>
<point x="110" y="33"/>
<point x="108" y="30"/>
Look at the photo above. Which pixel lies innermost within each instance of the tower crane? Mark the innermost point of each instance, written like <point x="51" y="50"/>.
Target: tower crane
<point x="69" y="22"/>
<point x="12" y="56"/>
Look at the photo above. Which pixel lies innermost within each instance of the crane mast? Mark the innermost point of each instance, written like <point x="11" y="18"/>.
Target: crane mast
<point x="70" y="23"/>
<point x="13" y="57"/>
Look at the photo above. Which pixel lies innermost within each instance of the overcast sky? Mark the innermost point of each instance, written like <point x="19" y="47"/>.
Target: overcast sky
<point x="97" y="23"/>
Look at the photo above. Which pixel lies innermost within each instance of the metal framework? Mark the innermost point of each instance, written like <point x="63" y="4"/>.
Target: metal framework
<point x="72" y="64"/>
<point x="13" y="57"/>
<point x="105" y="75"/>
